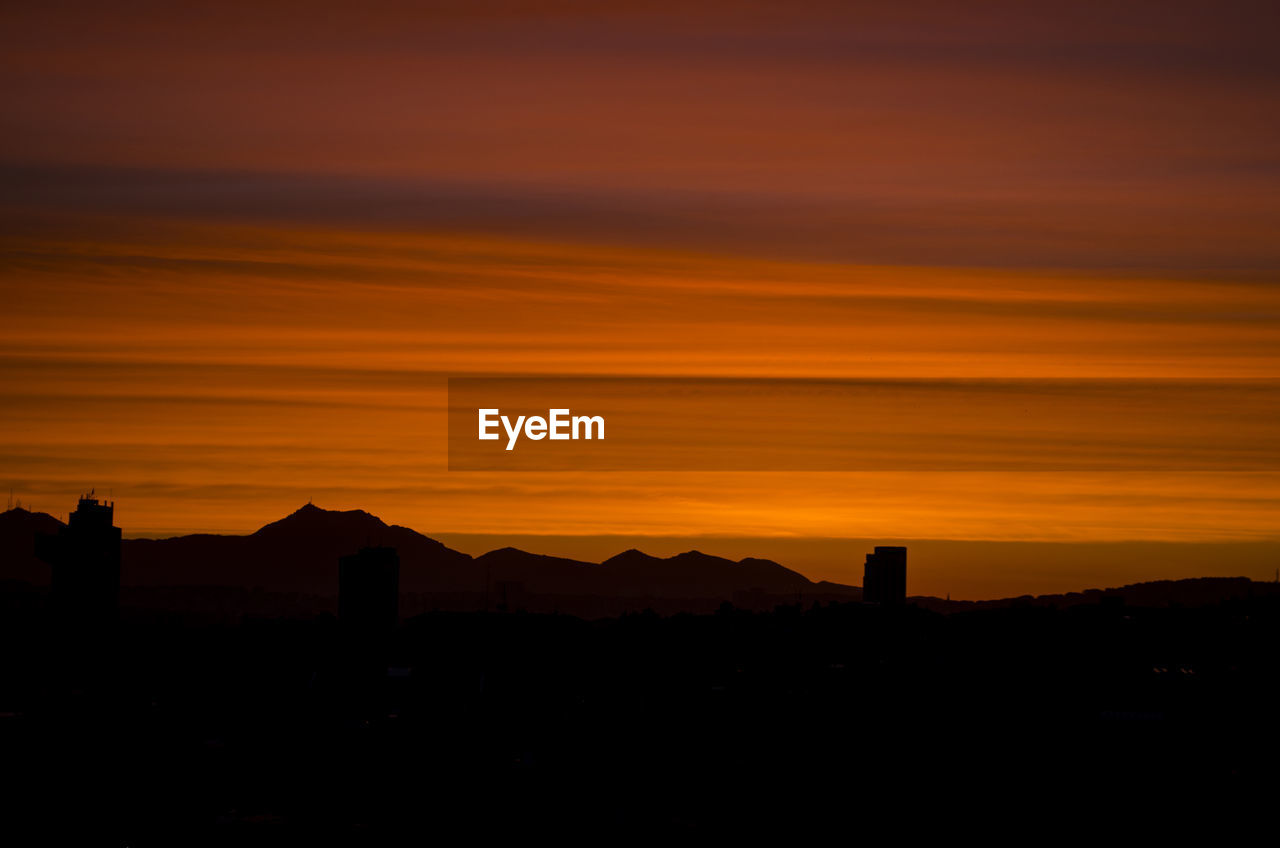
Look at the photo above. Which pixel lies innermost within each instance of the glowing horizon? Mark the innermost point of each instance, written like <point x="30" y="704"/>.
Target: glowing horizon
<point x="243" y="249"/>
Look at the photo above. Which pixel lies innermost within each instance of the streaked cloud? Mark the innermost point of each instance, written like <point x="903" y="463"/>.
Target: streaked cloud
<point x="244" y="245"/>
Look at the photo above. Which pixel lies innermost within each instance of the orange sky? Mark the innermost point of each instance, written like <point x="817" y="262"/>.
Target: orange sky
<point x="243" y="251"/>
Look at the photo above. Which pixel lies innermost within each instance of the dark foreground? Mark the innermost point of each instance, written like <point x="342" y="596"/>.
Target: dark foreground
<point x="480" y="725"/>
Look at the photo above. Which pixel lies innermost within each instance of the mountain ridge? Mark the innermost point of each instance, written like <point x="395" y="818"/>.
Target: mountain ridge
<point x="298" y="554"/>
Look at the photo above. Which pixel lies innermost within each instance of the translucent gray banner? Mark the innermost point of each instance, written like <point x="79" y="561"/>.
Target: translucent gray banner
<point x="724" y="424"/>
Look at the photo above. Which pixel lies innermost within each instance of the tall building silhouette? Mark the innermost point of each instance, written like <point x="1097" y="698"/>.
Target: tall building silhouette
<point x="369" y="590"/>
<point x="884" y="578"/>
<point x="85" y="559"/>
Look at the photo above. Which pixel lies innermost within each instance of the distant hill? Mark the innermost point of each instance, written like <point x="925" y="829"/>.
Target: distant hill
<point x="299" y="554"/>
<point x="545" y="574"/>
<point x="18" y="529"/>
<point x="1190" y="592"/>
<point x="695" y="574"/>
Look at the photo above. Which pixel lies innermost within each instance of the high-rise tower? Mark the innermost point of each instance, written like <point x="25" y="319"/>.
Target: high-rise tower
<point x="884" y="578"/>
<point x="85" y="557"/>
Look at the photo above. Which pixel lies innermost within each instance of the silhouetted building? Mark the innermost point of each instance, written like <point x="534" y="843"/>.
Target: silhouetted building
<point x="85" y="559"/>
<point x="369" y="590"/>
<point x="884" y="579"/>
<point x="511" y="595"/>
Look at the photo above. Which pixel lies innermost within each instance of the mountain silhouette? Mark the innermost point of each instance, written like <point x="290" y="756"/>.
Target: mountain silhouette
<point x="695" y="574"/>
<point x="541" y="573"/>
<point x="18" y="529"/>
<point x="1187" y="592"/>
<point x="298" y="554"/>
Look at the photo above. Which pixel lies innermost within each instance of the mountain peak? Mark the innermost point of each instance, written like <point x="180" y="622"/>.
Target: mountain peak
<point x="310" y="517"/>
<point x="310" y="509"/>
<point x="508" y="550"/>
<point x="693" y="554"/>
<point x="21" y="516"/>
<point x="630" y="555"/>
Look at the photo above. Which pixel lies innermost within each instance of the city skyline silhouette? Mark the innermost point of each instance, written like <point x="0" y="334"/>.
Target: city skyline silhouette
<point x="243" y="719"/>
<point x="931" y="357"/>
<point x="291" y="558"/>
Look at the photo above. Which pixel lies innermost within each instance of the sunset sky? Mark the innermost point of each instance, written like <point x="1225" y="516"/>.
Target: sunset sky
<point x="245" y="245"/>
